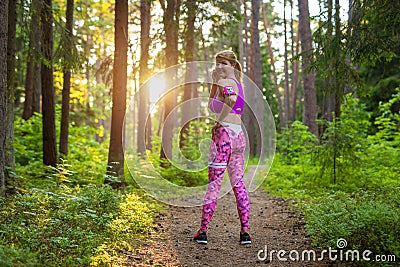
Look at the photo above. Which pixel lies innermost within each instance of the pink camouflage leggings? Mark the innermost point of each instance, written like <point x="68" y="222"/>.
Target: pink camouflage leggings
<point x="226" y="150"/>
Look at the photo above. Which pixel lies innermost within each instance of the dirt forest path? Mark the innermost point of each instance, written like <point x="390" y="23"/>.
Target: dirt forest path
<point x="272" y="224"/>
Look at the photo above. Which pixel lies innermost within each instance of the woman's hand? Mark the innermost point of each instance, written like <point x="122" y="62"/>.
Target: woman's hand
<point x="215" y="76"/>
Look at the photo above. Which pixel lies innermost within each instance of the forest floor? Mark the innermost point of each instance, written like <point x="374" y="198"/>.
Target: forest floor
<point x="272" y="224"/>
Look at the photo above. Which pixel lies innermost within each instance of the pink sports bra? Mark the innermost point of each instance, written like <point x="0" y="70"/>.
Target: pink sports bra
<point x="216" y="105"/>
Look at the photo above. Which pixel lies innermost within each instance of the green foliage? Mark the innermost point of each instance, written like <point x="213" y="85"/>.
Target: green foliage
<point x="83" y="149"/>
<point x="366" y="220"/>
<point x="59" y="226"/>
<point x="358" y="160"/>
<point x="65" y="227"/>
<point x="11" y="256"/>
<point x="381" y="82"/>
<point x="28" y="140"/>
<point x="63" y="215"/>
<point x="296" y="142"/>
<point x="363" y="206"/>
<point x="181" y="176"/>
<point x="193" y="148"/>
<point x="339" y="155"/>
<point x="333" y="72"/>
<point x="388" y="123"/>
<point x="374" y="31"/>
<point x="61" y="172"/>
<point x="382" y="157"/>
<point x="294" y="181"/>
<point x="135" y="217"/>
<point x="192" y="139"/>
<point x="88" y="157"/>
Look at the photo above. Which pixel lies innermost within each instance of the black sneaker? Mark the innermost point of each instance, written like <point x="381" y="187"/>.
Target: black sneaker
<point x="200" y="238"/>
<point x="245" y="238"/>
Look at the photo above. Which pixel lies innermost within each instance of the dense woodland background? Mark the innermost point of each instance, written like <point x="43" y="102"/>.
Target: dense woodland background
<point x="68" y="70"/>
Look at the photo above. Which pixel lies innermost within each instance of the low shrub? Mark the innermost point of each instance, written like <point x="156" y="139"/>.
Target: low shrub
<point x="67" y="226"/>
<point x="366" y="220"/>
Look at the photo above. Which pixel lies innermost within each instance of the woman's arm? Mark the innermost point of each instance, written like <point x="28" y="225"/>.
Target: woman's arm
<point x="214" y="86"/>
<point x="212" y="93"/>
<point x="229" y="99"/>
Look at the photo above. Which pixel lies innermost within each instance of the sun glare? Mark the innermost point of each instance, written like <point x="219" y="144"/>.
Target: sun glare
<point x="157" y="87"/>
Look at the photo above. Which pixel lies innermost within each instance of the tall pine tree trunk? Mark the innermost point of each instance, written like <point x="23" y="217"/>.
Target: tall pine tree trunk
<point x="248" y="115"/>
<point x="272" y="62"/>
<point x="29" y="87"/>
<point x="37" y="82"/>
<point x="67" y="82"/>
<point x="3" y="91"/>
<point x="328" y="99"/>
<point x="11" y="48"/>
<point x="256" y="76"/>
<point x="240" y="33"/>
<point x="48" y="107"/>
<point x="310" y="99"/>
<point x="171" y="27"/>
<point x="145" y="41"/>
<point x="115" y="152"/>
<point x="295" y="78"/>
<point x="246" y="51"/>
<point x="349" y="88"/>
<point x="295" y="69"/>
<point x="189" y="88"/>
<point x="32" y="74"/>
<point x="286" y="95"/>
<point x="339" y="84"/>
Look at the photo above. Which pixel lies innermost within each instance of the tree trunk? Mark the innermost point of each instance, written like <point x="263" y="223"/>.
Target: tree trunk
<point x="144" y="72"/>
<point x="339" y="86"/>
<point x="272" y="61"/>
<point x="248" y="114"/>
<point x="32" y="66"/>
<point x="294" y="74"/>
<point x="116" y="153"/>
<point x="310" y="99"/>
<point x="189" y="88"/>
<point x="256" y="76"/>
<point x="328" y="98"/>
<point x="240" y="33"/>
<point x="28" y="87"/>
<point x="37" y="84"/>
<point x="36" y="45"/>
<point x="20" y="56"/>
<point x="48" y="109"/>
<point x="11" y="48"/>
<point x="248" y="118"/>
<point x="3" y="92"/>
<point x="246" y="39"/>
<point x="295" y="77"/>
<point x="67" y="82"/>
<point x="349" y="88"/>
<point x="286" y="70"/>
<point x="171" y="26"/>
<point x="134" y="114"/>
<point x="255" y="64"/>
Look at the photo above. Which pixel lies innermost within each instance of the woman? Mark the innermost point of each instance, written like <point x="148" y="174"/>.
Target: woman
<point x="228" y="146"/>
